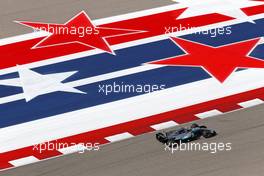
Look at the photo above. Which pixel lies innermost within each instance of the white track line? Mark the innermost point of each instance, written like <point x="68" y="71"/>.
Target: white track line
<point x="72" y="149"/>
<point x="251" y="103"/>
<point x="164" y="125"/>
<point x="24" y="161"/>
<point x="207" y="114"/>
<point x="119" y="137"/>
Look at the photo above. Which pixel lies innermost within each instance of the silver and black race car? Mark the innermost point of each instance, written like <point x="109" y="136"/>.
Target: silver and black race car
<point x="184" y="135"/>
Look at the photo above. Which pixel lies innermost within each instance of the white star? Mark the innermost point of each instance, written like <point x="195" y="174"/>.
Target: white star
<point x="35" y="84"/>
<point x="231" y="8"/>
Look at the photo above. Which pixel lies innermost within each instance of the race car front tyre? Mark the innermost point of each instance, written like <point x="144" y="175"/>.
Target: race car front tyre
<point x="161" y="138"/>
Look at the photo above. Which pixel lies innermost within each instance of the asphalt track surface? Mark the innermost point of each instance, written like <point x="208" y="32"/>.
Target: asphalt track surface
<point x="141" y="155"/>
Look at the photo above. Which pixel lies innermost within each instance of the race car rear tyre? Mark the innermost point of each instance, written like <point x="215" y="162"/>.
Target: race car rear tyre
<point x="208" y="134"/>
<point x="203" y="126"/>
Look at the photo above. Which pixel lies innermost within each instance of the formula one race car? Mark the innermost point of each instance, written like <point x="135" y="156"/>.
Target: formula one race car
<point x="184" y="135"/>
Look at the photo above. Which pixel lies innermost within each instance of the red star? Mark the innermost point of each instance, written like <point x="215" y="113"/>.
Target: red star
<point x="79" y="29"/>
<point x="220" y="62"/>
